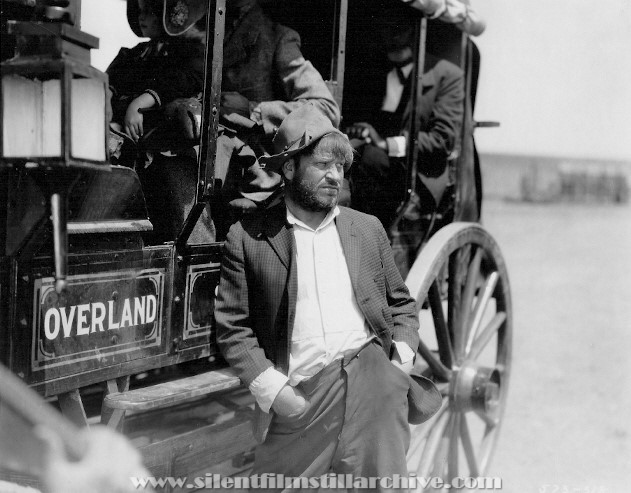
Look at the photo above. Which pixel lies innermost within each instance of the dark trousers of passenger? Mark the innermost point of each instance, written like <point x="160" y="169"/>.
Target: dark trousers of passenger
<point x="355" y="423"/>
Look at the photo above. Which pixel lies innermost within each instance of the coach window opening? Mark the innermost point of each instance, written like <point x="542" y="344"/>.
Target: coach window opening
<point x="332" y="13"/>
<point x="444" y="40"/>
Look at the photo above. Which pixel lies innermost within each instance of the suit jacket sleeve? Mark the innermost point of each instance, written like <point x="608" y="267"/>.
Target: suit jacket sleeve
<point x="301" y="83"/>
<point x="402" y="306"/>
<point x="235" y="337"/>
<point x="438" y="139"/>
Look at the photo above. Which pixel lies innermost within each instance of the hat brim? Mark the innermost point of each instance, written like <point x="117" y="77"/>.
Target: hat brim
<point x="178" y="16"/>
<point x="275" y="161"/>
<point x="424" y="399"/>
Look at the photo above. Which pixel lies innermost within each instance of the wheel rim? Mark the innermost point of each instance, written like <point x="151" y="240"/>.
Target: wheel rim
<point x="461" y="286"/>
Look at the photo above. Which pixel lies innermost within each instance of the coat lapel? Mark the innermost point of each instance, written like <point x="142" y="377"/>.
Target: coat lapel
<point x="279" y="235"/>
<point x="351" y="245"/>
<point x="427" y="82"/>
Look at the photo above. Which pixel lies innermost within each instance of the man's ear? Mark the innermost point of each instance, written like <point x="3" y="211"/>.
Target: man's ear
<point x="289" y="168"/>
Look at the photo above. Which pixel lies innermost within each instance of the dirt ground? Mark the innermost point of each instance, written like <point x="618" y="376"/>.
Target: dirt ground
<point x="567" y="427"/>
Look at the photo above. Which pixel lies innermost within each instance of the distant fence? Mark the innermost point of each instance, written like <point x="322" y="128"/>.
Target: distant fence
<point x="545" y="179"/>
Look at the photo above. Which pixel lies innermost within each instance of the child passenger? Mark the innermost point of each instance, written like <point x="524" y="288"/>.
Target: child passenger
<point x="154" y="73"/>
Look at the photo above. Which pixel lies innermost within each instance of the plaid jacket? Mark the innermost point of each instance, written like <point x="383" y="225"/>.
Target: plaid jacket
<point x="256" y="302"/>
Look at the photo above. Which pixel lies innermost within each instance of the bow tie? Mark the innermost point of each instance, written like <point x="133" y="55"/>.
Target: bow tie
<point x="402" y="78"/>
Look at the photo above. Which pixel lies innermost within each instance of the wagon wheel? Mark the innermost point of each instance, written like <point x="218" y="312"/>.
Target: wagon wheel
<point x="461" y="286"/>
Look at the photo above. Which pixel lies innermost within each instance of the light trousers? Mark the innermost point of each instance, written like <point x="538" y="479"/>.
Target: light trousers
<point x="355" y="423"/>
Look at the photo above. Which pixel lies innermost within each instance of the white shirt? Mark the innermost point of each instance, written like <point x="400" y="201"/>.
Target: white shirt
<point x="328" y="321"/>
<point x="394" y="88"/>
<point x="397" y="146"/>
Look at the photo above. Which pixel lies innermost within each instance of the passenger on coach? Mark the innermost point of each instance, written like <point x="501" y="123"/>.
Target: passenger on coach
<point x="155" y="74"/>
<point x="265" y="77"/>
<point x="379" y="178"/>
<point x="156" y="101"/>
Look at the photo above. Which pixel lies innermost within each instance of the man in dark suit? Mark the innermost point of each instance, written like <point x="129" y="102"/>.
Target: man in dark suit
<point x="379" y="178"/>
<point x="316" y="320"/>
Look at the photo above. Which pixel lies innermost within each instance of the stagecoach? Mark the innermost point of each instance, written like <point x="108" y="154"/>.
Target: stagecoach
<point x="111" y="326"/>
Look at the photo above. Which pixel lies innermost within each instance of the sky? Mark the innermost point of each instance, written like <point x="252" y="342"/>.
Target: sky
<point x="556" y="74"/>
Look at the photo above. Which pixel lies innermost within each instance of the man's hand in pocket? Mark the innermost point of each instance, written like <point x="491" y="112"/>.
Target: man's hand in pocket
<point x="289" y="402"/>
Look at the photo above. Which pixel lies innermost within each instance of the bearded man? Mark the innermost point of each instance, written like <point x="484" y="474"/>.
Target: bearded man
<point x="314" y="316"/>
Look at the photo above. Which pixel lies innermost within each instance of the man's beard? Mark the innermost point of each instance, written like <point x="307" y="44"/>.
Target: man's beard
<point x="306" y="195"/>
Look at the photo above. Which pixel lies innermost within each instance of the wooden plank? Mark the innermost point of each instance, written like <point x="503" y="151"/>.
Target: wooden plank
<point x="200" y="449"/>
<point x="174" y="392"/>
<point x="115" y="418"/>
<point x="72" y="407"/>
<point x="237" y="400"/>
<point x="123" y="226"/>
<point x="98" y="375"/>
<point x="222" y="445"/>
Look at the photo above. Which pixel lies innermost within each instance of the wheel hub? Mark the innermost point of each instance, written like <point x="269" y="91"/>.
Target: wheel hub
<point x="477" y="388"/>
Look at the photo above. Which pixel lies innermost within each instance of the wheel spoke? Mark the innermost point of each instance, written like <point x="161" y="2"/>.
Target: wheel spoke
<point x="433" y="442"/>
<point x="440" y="466"/>
<point x="486" y="335"/>
<point x="452" y="471"/>
<point x="453" y="302"/>
<point x="419" y="436"/>
<point x="480" y="307"/>
<point x="468" y="447"/>
<point x="416" y="447"/>
<point x="473" y="276"/>
<point x="445" y="348"/>
<point x="460" y="275"/>
<point x="488" y="420"/>
<point x="438" y="369"/>
<point x="443" y="388"/>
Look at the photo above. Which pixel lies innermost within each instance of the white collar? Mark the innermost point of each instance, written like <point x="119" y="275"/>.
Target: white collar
<point x="406" y="69"/>
<point x="333" y="213"/>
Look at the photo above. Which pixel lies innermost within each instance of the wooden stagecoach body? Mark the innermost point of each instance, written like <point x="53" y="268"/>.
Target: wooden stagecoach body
<point x="129" y="308"/>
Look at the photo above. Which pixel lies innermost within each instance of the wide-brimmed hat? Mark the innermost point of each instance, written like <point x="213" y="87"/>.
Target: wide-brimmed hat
<point x="424" y="399"/>
<point x="178" y="16"/>
<point x="301" y="128"/>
